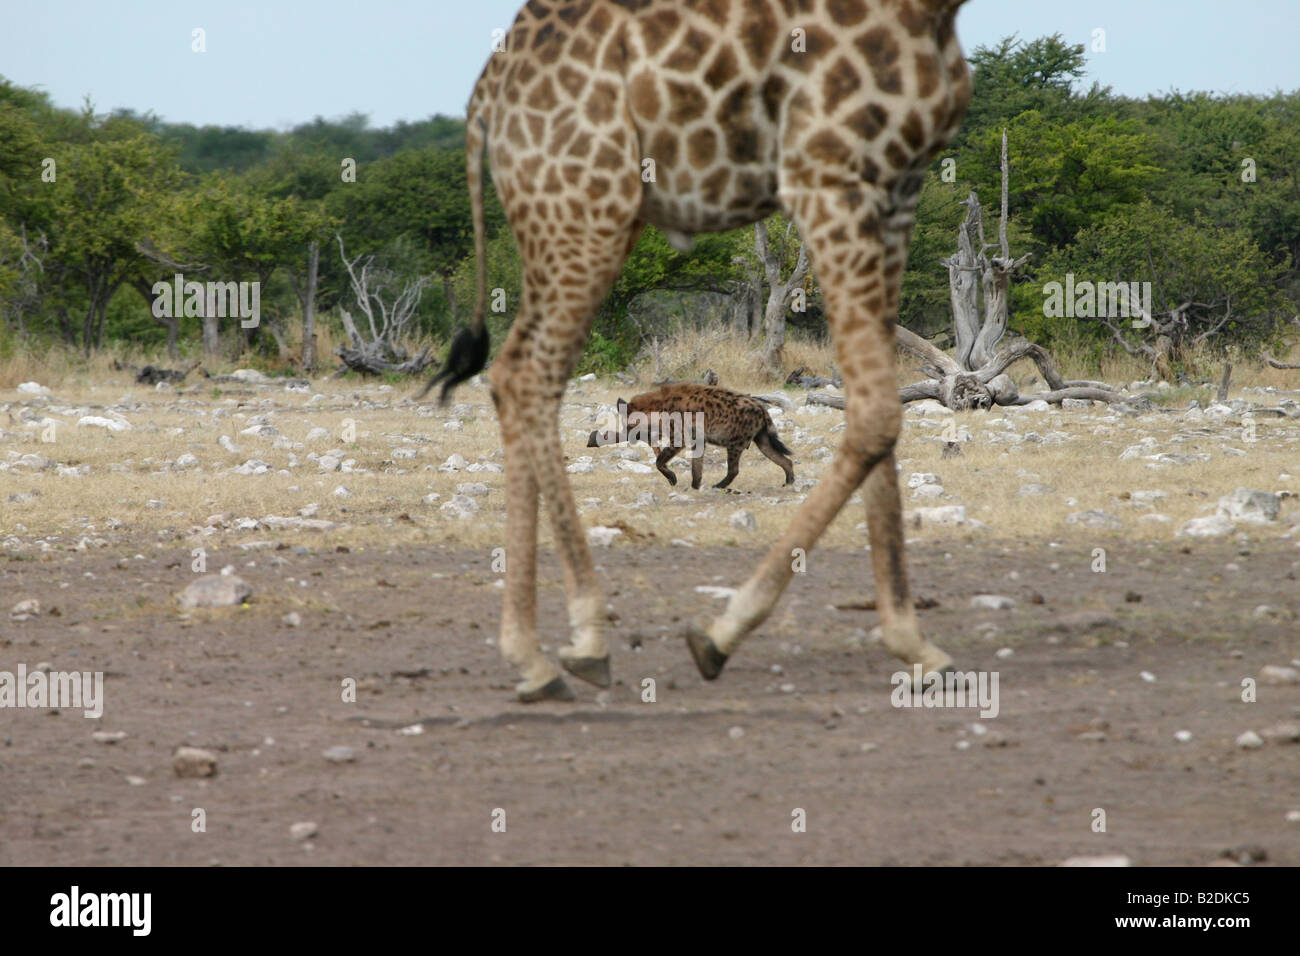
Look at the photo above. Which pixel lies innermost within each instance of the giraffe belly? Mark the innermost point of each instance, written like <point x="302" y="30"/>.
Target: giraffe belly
<point x="684" y="214"/>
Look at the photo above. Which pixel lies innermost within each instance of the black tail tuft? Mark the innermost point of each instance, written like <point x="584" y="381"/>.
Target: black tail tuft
<point x="465" y="359"/>
<point x="777" y="443"/>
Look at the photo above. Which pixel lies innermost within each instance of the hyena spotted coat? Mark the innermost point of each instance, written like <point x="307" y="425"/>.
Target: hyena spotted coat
<point x="728" y="419"/>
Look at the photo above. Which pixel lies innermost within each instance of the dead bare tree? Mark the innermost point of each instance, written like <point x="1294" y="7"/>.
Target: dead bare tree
<point x="975" y="377"/>
<point x="382" y="352"/>
<point x="779" y="294"/>
<point x="26" y="291"/>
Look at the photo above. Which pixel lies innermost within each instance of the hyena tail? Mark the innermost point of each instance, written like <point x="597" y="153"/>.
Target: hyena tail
<point x="770" y="434"/>
<point x="469" y="349"/>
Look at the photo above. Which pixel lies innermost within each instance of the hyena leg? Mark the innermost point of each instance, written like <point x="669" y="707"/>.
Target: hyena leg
<point x="764" y="444"/>
<point x="733" y="464"/>
<point x="661" y="462"/>
<point x="861" y="311"/>
<point x="697" y="469"/>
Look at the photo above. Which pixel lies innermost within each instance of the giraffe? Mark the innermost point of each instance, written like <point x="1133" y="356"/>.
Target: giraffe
<point x="600" y="117"/>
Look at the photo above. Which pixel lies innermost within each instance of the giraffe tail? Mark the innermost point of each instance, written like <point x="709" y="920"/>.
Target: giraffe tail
<point x="469" y="349"/>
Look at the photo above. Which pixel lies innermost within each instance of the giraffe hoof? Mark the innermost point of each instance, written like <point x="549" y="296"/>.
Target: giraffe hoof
<point x="557" y="689"/>
<point x="594" y="670"/>
<point x="708" y="658"/>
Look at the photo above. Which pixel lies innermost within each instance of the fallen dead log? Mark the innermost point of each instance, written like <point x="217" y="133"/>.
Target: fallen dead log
<point x="825" y="398"/>
<point x="378" y="361"/>
<point x="1271" y="361"/>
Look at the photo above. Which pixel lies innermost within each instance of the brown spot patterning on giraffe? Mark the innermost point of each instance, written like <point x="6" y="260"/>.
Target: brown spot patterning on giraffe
<point x="880" y="49"/>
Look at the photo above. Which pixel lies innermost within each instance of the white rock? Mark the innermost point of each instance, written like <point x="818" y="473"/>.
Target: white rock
<point x="25" y="610"/>
<point x="96" y="421"/>
<point x="992" y="602"/>
<point x="32" y="388"/>
<point x="194" y="762"/>
<point x="1256" y="507"/>
<point x="303" y="830"/>
<point x="1113" y="860"/>
<point x="941" y="515"/>
<point x="461" y="507"/>
<point x="453" y="463"/>
<point x="1275" y="674"/>
<point x="187" y="461"/>
<point x="743" y="521"/>
<point x="1213" y="526"/>
<point x="1250" y="741"/>
<point x="215" y="590"/>
<point x="341" y="492"/>
<point x="1095" y="519"/>
<point x="923" y="478"/>
<point x="601" y="536"/>
<point x="318" y="434"/>
<point x="473" y="489"/>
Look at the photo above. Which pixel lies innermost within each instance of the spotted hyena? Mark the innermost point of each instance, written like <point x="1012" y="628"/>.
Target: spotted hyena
<point x="678" y="416"/>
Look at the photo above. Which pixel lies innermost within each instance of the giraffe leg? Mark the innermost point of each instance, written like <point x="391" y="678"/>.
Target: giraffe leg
<point x="519" y="646"/>
<point x="861" y="312"/>
<point x="561" y="325"/>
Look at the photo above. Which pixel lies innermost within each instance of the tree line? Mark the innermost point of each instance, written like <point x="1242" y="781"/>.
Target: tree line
<point x="1195" y="193"/>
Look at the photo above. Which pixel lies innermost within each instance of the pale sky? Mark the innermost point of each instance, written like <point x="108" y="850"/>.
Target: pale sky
<point x="274" y="65"/>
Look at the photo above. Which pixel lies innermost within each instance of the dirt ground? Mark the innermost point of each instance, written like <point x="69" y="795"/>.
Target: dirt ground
<point x="710" y="773"/>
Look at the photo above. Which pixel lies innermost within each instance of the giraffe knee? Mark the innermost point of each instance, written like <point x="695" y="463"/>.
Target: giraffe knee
<point x="871" y="431"/>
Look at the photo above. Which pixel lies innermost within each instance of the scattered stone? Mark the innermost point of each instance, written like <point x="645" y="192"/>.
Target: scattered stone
<point x="215" y="590"/>
<point x="1255" y="507"/>
<point x="341" y="492"/>
<point x="340" y="755"/>
<point x="473" y="489"/>
<point x="743" y="521"/>
<point x="25" y="610"/>
<point x="940" y="515"/>
<point x="32" y="388"/>
<point x="97" y="421"/>
<point x="460" y="507"/>
<point x="1284" y="733"/>
<point x="292" y="619"/>
<point x="1276" y="674"/>
<point x="1112" y="860"/>
<point x="602" y="537"/>
<point x="108" y="736"/>
<point x="1034" y="488"/>
<point x="735" y="733"/>
<point x="1250" y="741"/>
<point x="992" y="602"/>
<point x="303" y="831"/>
<point x="1096" y="520"/>
<point x="1183" y="736"/>
<point x="1214" y="526"/>
<point x="318" y="434"/>
<point x="194" y="762"/>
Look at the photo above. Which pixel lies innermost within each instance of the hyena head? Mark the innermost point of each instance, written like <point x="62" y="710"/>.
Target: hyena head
<point x="612" y="436"/>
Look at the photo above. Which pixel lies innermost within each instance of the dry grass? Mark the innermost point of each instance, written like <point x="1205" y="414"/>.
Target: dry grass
<point x="131" y="477"/>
